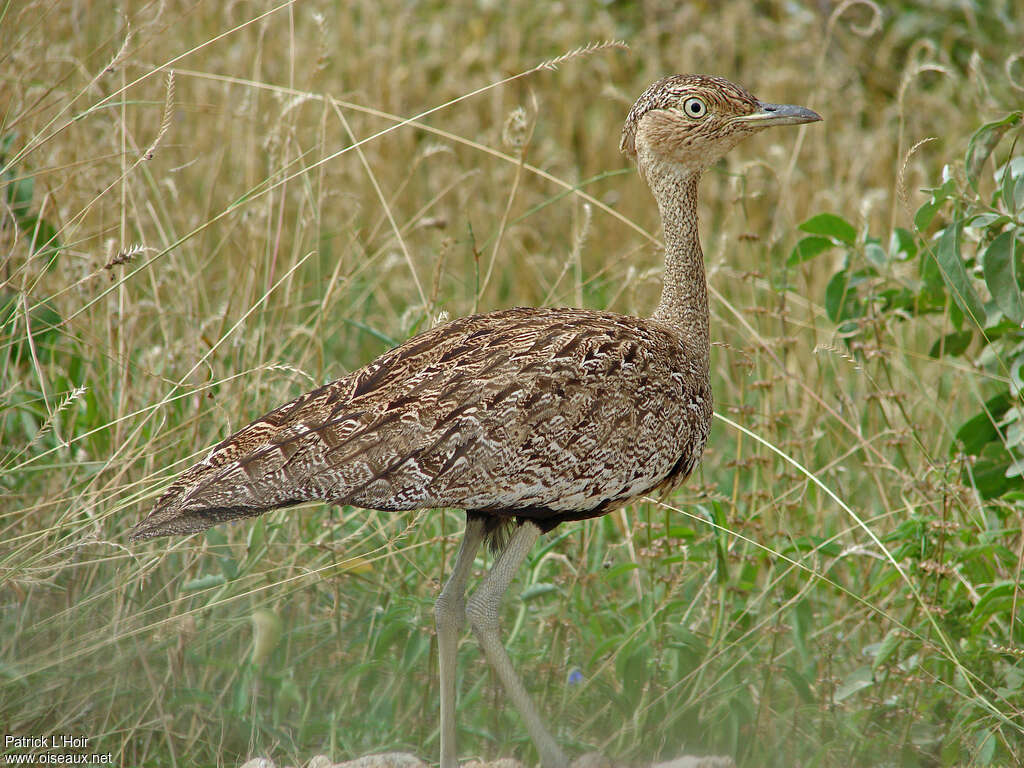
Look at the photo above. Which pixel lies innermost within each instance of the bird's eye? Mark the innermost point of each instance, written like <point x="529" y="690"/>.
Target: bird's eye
<point x="694" y="107"/>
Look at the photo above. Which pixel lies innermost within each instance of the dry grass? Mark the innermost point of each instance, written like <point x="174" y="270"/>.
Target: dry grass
<point x="226" y="245"/>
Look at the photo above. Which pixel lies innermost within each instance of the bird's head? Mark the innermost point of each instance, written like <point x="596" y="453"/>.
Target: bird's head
<point x="691" y="121"/>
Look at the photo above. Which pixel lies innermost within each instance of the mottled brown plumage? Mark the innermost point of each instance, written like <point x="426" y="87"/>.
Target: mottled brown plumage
<point x="487" y="412"/>
<point x="528" y="417"/>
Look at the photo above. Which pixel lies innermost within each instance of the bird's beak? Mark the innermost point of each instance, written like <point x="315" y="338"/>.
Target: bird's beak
<point x="779" y="114"/>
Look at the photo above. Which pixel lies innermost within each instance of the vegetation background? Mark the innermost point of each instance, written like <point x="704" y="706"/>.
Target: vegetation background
<point x="189" y="236"/>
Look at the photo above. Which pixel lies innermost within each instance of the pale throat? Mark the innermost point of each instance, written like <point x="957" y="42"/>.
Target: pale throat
<point x="684" y="296"/>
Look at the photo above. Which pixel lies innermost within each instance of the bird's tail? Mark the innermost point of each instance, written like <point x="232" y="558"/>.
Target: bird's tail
<point x="171" y="520"/>
<point x="181" y="510"/>
<point x="210" y="492"/>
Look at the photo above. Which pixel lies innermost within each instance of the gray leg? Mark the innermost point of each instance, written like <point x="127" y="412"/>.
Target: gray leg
<point x="450" y="619"/>
<point x="482" y="612"/>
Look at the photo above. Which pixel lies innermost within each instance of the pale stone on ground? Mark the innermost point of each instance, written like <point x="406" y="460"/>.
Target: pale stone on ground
<point x="405" y="760"/>
<point x="502" y="762"/>
<point x="687" y="761"/>
<point x="383" y="760"/>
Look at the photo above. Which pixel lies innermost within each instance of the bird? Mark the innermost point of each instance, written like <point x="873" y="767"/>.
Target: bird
<point x="525" y="418"/>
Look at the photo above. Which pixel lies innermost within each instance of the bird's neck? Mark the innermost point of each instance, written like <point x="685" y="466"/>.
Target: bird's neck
<point x="684" y="296"/>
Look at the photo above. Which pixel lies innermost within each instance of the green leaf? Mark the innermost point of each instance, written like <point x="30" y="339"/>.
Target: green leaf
<point x="680" y="532"/>
<point x="228" y="567"/>
<point x="939" y="196"/>
<point x="985" y="219"/>
<point x="19" y="195"/>
<point x="902" y="245"/>
<point x="989" y="472"/>
<point x="875" y="254"/>
<point x="840" y="298"/>
<point x="243" y="691"/>
<point x="952" y="344"/>
<point x="204" y="582"/>
<point x="983" y="142"/>
<point x="886" y="648"/>
<point x="256" y="539"/>
<point x="997" y="597"/>
<point x="830" y="225"/>
<point x="956" y="316"/>
<point x="5" y="144"/>
<point x="1013" y="422"/>
<point x="857" y="680"/>
<point x="801" y="624"/>
<point x="216" y="537"/>
<point x="266" y="633"/>
<point x="719" y="516"/>
<point x="618" y="570"/>
<point x="985" y="748"/>
<point x="999" y="263"/>
<point x="947" y="255"/>
<point x="633" y="675"/>
<point x="43" y="320"/>
<point x="1006" y="183"/>
<point x="981" y="428"/>
<point x="800" y="683"/>
<point x="925" y="214"/>
<point x="44" y="238"/>
<point x="537" y="590"/>
<point x="898" y="300"/>
<point x="1017" y="377"/>
<point x="1016" y="469"/>
<point x="808" y="248"/>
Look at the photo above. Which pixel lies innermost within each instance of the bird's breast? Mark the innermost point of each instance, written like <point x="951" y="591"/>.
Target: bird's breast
<point x="587" y="426"/>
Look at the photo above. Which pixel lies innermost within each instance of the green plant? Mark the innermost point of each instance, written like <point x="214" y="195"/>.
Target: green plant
<point x="968" y="250"/>
<point x="41" y="235"/>
<point x="250" y="254"/>
<point x="957" y="275"/>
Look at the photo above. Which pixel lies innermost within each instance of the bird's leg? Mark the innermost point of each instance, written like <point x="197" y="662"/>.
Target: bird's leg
<point x="450" y="619"/>
<point x="482" y="612"/>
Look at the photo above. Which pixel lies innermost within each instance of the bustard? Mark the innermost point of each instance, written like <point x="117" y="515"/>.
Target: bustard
<point x="525" y="418"/>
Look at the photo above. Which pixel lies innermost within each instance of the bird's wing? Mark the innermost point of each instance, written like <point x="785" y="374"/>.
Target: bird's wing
<point x="512" y="409"/>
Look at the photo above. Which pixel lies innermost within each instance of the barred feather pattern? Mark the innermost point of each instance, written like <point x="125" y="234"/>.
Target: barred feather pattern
<point x="525" y="418"/>
<point x="543" y="414"/>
